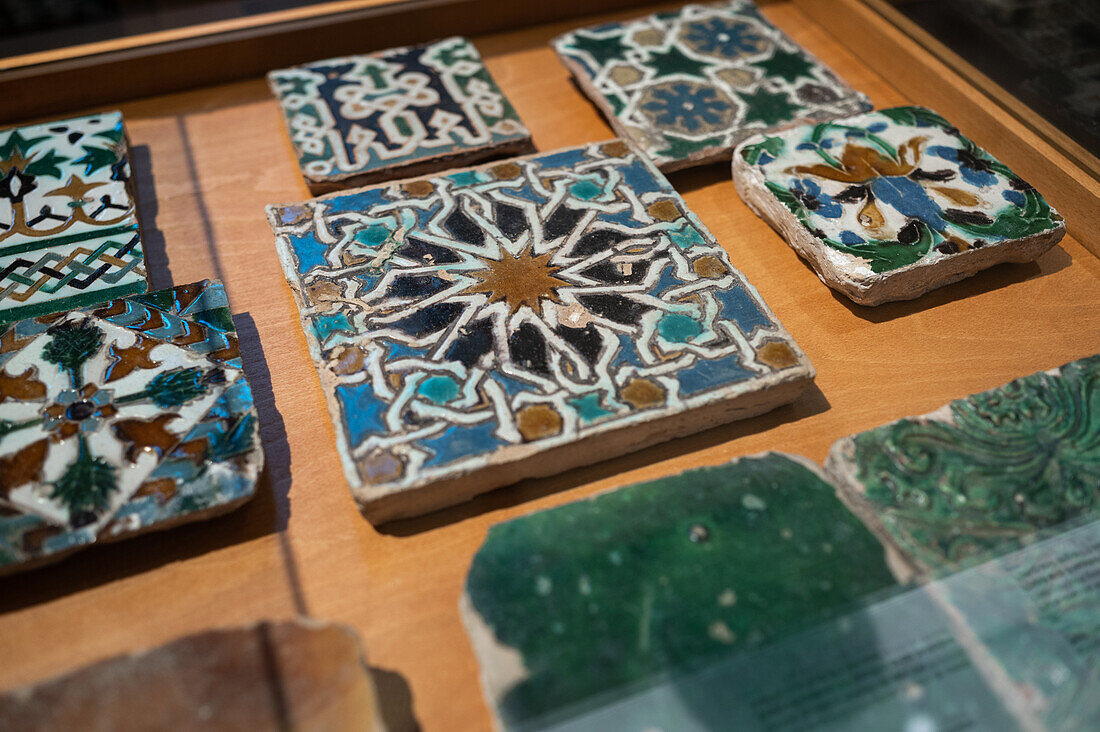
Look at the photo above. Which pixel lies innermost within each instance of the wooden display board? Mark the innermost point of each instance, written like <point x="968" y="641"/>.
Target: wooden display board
<point x="207" y="161"/>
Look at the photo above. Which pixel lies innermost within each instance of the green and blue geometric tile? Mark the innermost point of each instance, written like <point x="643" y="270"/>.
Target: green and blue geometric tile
<point x="575" y="609"/>
<point x="396" y="113"/>
<point x="69" y="233"/>
<point x="982" y="476"/>
<point x="687" y="86"/>
<point x="519" y="319"/>
<point x="893" y="203"/>
<point x="121" y="418"/>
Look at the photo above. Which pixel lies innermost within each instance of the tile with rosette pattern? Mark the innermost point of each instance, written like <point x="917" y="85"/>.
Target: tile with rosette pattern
<point x="686" y="86"/>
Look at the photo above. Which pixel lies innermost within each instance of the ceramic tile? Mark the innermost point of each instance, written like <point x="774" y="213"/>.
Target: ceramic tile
<point x="406" y="111"/>
<point x="519" y="319"/>
<point x="575" y="607"/>
<point x="686" y="86"/>
<point x="68" y="224"/>
<point x="893" y="203"/>
<point x="984" y="475"/>
<point x="119" y="418"/>
<point x="289" y="675"/>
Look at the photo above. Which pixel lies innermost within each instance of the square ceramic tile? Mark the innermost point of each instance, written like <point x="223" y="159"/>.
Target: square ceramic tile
<point x="984" y="475"/>
<point x="406" y="111"/>
<point x="68" y="224"/>
<point x="519" y="319"/>
<point x="575" y="609"/>
<point x="687" y="86"/>
<point x="893" y="203"/>
<point x="119" y="418"/>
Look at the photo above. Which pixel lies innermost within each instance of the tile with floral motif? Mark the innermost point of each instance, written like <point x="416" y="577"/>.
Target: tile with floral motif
<point x="687" y="86"/>
<point x="68" y="224"/>
<point x="890" y="204"/>
<point x="519" y="319"/>
<point x="121" y="417"/>
<point x="404" y="111"/>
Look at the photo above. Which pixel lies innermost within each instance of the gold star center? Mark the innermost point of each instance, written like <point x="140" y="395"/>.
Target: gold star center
<point x="518" y="281"/>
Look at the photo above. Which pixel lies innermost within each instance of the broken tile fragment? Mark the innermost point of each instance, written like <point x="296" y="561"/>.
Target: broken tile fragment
<point x="574" y="609"/>
<point x="396" y="113"/>
<point x="982" y="476"/>
<point x="290" y="675"/>
<point x="69" y="233"/>
<point x="893" y="203"/>
<point x="521" y="318"/>
<point x="121" y="418"/>
<point x="688" y="85"/>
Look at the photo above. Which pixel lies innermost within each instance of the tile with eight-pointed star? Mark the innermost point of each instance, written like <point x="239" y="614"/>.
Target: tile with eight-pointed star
<point x="687" y="86"/>
<point x="68" y="225"/>
<point x="518" y="319"/>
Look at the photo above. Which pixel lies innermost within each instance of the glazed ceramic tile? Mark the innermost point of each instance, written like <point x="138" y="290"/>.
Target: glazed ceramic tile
<point x="983" y="475"/>
<point x="121" y="418"/>
<point x="688" y="85"/>
<point x="401" y="112"/>
<point x="68" y="225"/>
<point x="570" y="608"/>
<point x="890" y="204"/>
<point x="290" y="675"/>
<point x="519" y="319"/>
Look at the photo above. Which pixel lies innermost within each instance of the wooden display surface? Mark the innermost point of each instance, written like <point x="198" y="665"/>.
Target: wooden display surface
<point x="207" y="161"/>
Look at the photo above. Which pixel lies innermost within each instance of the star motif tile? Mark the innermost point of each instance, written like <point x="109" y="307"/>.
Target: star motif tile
<point x="405" y="111"/>
<point x="69" y="232"/>
<point x="521" y="318"/>
<point x="687" y="86"/>
<point x="572" y="610"/>
<point x="984" y="475"/>
<point x="121" y="417"/>
<point x="890" y="204"/>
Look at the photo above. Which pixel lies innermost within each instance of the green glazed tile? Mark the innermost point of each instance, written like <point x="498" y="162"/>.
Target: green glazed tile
<point x="686" y="86"/>
<point x="584" y="601"/>
<point x="984" y="475"/>
<point x="69" y="233"/>
<point x="121" y="418"/>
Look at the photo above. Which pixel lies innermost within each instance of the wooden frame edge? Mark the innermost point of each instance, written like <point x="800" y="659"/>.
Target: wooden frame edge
<point x="165" y="62"/>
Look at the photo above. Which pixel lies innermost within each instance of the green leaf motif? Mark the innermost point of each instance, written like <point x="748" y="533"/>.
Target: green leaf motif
<point x="884" y="256"/>
<point x="916" y="117"/>
<point x="176" y="387"/>
<point x="234" y="441"/>
<point x="48" y="165"/>
<point x="769" y="148"/>
<point x="71" y="344"/>
<point x="87" y="484"/>
<point x="1014" y="462"/>
<point x="96" y="158"/>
